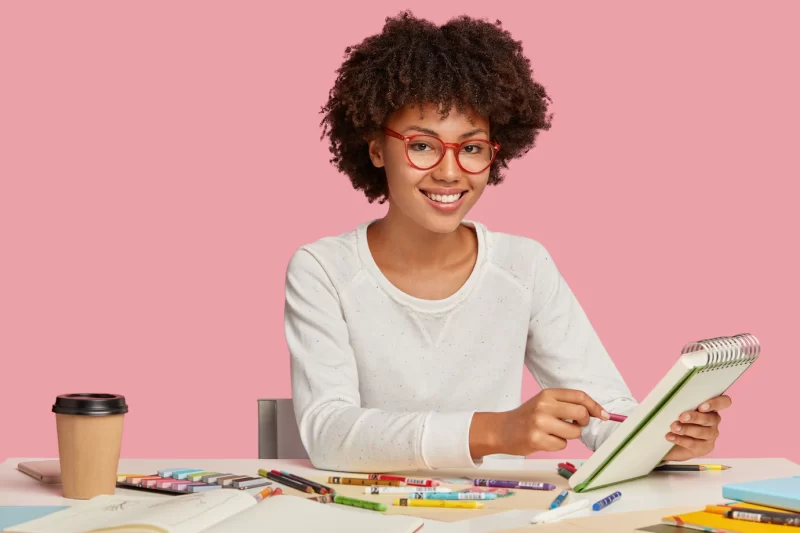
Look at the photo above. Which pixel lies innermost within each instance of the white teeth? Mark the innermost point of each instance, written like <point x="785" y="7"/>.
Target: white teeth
<point x="444" y="199"/>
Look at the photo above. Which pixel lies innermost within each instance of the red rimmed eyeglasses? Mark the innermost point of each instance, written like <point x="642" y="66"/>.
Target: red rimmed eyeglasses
<point x="426" y="151"/>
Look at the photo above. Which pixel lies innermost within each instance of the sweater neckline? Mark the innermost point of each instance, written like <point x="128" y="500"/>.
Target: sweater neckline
<point x="421" y="304"/>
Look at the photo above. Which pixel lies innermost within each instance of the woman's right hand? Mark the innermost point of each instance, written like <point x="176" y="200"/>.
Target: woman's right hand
<point x="540" y="424"/>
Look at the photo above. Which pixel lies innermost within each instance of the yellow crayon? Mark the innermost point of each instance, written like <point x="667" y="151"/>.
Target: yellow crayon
<point x="453" y="504"/>
<point x="360" y="481"/>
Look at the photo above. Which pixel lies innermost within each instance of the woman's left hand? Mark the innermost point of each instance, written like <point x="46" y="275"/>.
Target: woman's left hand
<point x="696" y="432"/>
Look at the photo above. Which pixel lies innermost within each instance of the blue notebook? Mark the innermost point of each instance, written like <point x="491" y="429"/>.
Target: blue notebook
<point x="781" y="493"/>
<point x="19" y="514"/>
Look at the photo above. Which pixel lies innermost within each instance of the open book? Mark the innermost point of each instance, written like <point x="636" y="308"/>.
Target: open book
<point x="219" y="511"/>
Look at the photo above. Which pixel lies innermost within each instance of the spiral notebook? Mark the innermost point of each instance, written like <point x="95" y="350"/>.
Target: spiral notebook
<point x="704" y="370"/>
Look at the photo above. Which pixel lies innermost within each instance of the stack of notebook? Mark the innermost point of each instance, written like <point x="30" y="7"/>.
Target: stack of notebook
<point x="771" y="505"/>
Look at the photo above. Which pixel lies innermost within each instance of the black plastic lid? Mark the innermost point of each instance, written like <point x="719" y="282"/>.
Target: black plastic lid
<point x="90" y="404"/>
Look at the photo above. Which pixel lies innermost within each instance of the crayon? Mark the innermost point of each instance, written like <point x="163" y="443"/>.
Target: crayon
<point x="452" y="496"/>
<point x="564" y="473"/>
<point x="559" y="499"/>
<point x="530" y="485"/>
<point x="360" y="481"/>
<point x="375" y="489"/>
<point x="267" y="492"/>
<point x="413" y="481"/>
<point x="364" y="504"/>
<point x="608" y="500"/>
<point x="411" y="502"/>
<point x="568" y="466"/>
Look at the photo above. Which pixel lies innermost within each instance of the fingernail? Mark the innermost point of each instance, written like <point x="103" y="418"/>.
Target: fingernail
<point x="670" y="438"/>
<point x="678" y="428"/>
<point x="685" y="417"/>
<point x="604" y="413"/>
<point x="705" y="407"/>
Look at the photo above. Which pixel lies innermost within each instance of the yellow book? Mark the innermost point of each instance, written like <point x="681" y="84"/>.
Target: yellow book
<point x="717" y="523"/>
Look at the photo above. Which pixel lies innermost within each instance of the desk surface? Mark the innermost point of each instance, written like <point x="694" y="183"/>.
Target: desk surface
<point x="659" y="490"/>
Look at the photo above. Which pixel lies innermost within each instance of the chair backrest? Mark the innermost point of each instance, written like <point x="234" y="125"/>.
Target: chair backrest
<point x="278" y="434"/>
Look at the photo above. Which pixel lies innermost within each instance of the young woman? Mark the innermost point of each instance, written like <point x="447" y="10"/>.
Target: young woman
<point x="408" y="336"/>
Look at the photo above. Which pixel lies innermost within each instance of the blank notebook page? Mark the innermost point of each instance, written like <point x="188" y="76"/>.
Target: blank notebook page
<point x="291" y="513"/>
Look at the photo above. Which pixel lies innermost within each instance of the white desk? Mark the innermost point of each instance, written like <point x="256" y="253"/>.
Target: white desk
<point x="663" y="489"/>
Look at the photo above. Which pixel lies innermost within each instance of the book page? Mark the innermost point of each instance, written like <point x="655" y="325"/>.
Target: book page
<point x="191" y="513"/>
<point x="291" y="513"/>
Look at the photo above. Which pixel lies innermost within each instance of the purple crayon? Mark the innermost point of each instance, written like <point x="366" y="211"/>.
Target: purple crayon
<point x="530" y="485"/>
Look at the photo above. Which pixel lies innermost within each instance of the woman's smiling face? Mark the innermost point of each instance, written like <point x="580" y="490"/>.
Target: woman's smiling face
<point x="439" y="198"/>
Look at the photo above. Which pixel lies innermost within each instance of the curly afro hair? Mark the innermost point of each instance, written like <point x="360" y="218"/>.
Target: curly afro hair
<point x="466" y="63"/>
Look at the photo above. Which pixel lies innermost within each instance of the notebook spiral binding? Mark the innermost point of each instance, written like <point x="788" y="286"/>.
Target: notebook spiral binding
<point x="727" y="351"/>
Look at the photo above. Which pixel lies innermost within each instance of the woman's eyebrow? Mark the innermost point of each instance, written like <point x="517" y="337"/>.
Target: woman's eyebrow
<point x="428" y="131"/>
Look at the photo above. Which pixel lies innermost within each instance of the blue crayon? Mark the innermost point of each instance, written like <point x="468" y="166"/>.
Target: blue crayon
<point x="607" y="501"/>
<point x="452" y="496"/>
<point x="559" y="499"/>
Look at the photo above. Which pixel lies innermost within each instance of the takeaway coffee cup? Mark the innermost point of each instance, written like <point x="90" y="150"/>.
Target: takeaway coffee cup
<point x="89" y="439"/>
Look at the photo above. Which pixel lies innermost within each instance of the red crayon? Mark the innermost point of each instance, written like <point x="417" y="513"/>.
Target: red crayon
<point x="569" y="467"/>
<point x="415" y="482"/>
<point x="617" y="418"/>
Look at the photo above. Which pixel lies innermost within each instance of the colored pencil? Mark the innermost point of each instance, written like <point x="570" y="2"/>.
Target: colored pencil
<point x="688" y="468"/>
<point x="319" y="489"/>
<point x="283" y="480"/>
<point x="323" y="498"/>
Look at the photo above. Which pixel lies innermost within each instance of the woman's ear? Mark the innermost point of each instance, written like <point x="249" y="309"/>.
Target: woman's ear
<point x="376" y="150"/>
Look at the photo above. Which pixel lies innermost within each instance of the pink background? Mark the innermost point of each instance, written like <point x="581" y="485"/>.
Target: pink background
<point x="161" y="161"/>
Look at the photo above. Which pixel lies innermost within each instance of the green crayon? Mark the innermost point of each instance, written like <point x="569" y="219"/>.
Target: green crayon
<point x="364" y="504"/>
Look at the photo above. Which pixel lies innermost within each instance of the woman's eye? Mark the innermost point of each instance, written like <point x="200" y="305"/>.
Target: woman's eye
<point x="473" y="148"/>
<point x="419" y="147"/>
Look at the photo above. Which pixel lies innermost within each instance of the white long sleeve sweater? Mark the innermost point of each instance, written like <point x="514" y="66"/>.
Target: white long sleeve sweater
<point x="383" y="381"/>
